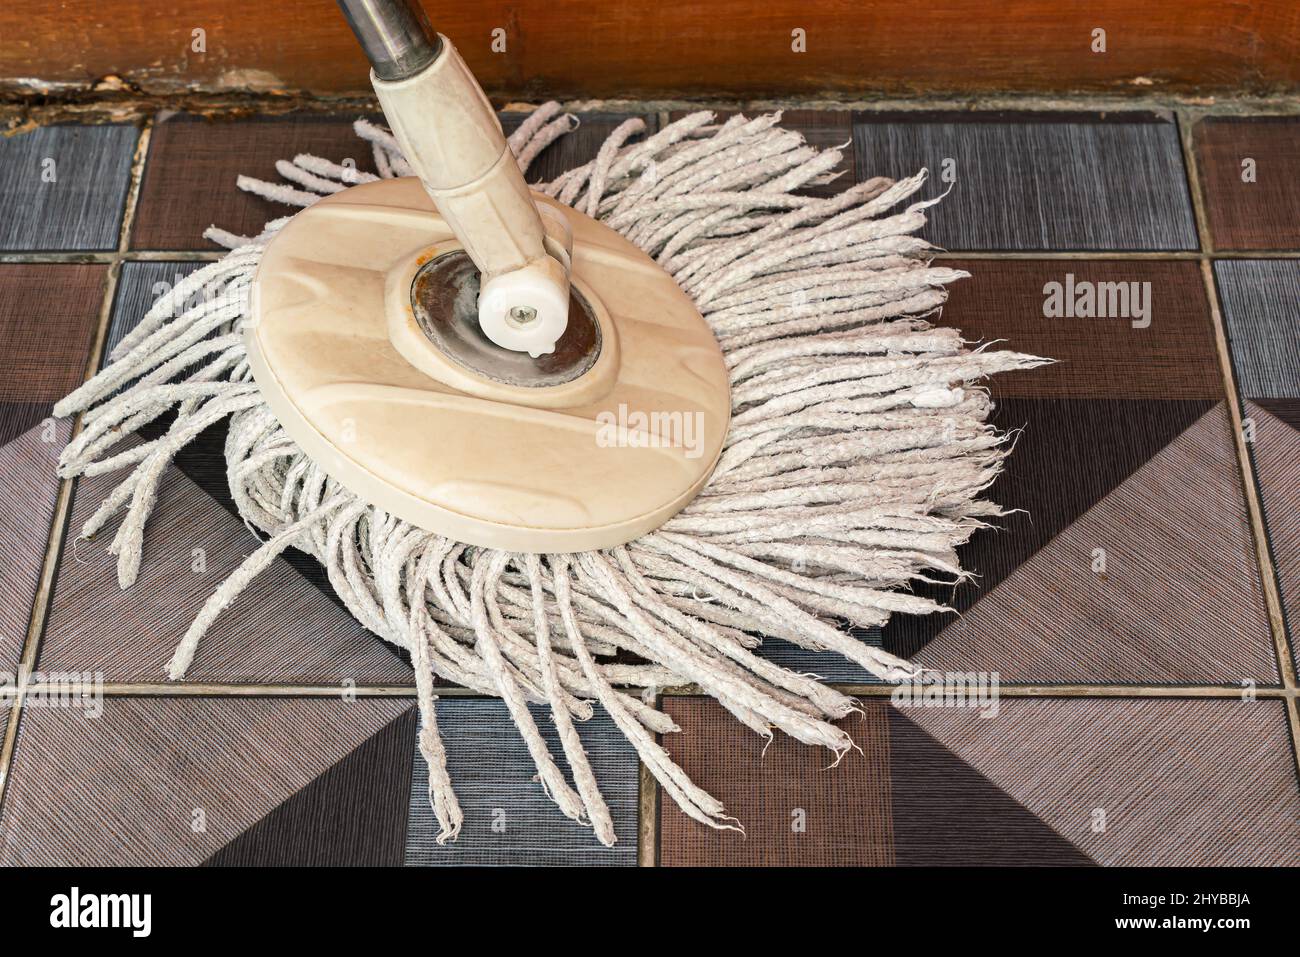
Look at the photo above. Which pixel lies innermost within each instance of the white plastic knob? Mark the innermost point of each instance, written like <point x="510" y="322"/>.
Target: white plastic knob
<point x="525" y="309"/>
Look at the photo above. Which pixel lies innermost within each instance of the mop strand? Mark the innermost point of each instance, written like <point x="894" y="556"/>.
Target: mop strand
<point x="857" y="456"/>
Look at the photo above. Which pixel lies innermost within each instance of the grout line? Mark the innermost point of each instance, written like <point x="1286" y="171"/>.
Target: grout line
<point x="1189" y="255"/>
<point x="647" y="844"/>
<point x="83" y="105"/>
<point x="1192" y="170"/>
<point x="119" y="255"/>
<point x="62" y="505"/>
<point x="165" y="689"/>
<point x="1250" y="489"/>
<point x="137" y="181"/>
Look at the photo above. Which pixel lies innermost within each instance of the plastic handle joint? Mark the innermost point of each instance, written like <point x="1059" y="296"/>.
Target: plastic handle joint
<point x="453" y="141"/>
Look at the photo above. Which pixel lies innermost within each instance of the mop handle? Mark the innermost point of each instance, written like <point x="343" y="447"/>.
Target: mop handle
<point x="452" y="139"/>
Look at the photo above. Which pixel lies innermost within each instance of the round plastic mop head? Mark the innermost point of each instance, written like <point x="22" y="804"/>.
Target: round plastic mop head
<point x="365" y="341"/>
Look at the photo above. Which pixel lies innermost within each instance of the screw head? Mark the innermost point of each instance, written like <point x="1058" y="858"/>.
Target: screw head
<point x="523" y="315"/>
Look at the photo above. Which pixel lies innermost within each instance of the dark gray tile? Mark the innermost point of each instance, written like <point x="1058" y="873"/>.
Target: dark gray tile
<point x="822" y="129"/>
<point x="508" y="819"/>
<point x="827" y="665"/>
<point x="1038" y="181"/>
<point x="63" y="187"/>
<point x="139" y="285"/>
<point x="1261" y="306"/>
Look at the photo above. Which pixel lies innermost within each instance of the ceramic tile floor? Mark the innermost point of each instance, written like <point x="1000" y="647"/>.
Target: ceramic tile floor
<point x="1136" y="608"/>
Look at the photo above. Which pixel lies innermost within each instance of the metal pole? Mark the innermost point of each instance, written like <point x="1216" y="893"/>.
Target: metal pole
<point x="395" y="35"/>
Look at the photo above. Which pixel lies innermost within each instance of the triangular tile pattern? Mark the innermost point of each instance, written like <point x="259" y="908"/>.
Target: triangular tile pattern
<point x="353" y="815"/>
<point x="796" y="810"/>
<point x="1120" y="391"/>
<point x="1178" y="599"/>
<point x="1286" y="411"/>
<point x="1276" y="452"/>
<point x="1140" y="782"/>
<point x="281" y="629"/>
<point x="947" y="813"/>
<point x="169" y="781"/>
<point x="28" y="488"/>
<point x="1070" y="454"/>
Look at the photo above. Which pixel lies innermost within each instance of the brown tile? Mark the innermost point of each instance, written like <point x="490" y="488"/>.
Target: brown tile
<point x="189" y="181"/>
<point x="1172" y="358"/>
<point x="796" y="811"/>
<point x="1265" y="213"/>
<point x="822" y="129"/>
<point x="48" y="318"/>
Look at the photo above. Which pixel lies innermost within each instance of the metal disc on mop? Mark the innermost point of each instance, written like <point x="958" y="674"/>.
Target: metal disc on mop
<point x="365" y="342"/>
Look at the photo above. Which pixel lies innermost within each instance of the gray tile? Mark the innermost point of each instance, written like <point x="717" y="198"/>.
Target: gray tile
<point x="1038" y="181"/>
<point x="63" y="187"/>
<point x="1261" y="306"/>
<point x="493" y="776"/>
<point x="140" y="284"/>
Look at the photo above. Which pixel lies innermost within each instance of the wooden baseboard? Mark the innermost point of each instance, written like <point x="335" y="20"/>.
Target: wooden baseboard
<point x="676" y="48"/>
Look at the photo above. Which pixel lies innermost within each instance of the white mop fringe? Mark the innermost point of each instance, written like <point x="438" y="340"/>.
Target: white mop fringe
<point x="858" y="452"/>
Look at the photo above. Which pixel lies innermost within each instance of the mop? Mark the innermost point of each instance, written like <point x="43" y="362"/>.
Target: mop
<point x="571" y="445"/>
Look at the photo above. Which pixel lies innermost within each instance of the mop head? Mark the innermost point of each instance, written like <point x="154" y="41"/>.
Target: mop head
<point x="855" y="463"/>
